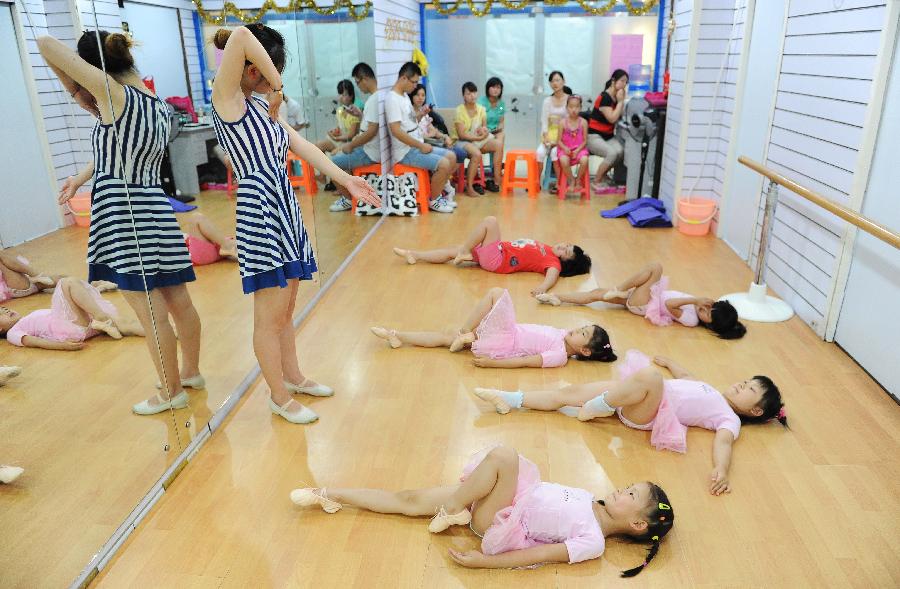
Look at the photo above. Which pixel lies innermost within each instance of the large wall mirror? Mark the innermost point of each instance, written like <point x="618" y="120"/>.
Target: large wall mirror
<point x="123" y="308"/>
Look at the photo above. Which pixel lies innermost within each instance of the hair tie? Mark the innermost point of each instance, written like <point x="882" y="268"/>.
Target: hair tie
<point x="782" y="413"/>
<point x="606" y="346"/>
<point x="665" y="507"/>
<point x="655" y="539"/>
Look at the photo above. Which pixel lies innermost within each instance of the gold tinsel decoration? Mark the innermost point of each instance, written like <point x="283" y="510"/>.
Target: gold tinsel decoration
<point x="595" y="8"/>
<point x="218" y="17"/>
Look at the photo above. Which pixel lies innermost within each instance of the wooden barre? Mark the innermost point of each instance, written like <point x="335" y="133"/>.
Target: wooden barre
<point x="852" y="217"/>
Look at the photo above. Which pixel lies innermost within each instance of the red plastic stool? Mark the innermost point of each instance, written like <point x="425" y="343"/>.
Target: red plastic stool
<point x="530" y="182"/>
<point x="480" y="178"/>
<point x="364" y="171"/>
<point x="307" y="178"/>
<point x="423" y="196"/>
<point x="585" y="190"/>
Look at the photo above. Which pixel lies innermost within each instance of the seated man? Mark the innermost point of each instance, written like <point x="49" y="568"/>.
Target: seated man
<point x="364" y="149"/>
<point x="408" y="146"/>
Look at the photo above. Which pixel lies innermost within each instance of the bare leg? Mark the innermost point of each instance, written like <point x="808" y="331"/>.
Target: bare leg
<point x="165" y="357"/>
<point x="641" y="282"/>
<point x="565" y="168"/>
<point x="488" y="231"/>
<point x="446" y="167"/>
<point x="15" y="272"/>
<point x="492" y="484"/>
<point x="481" y="309"/>
<point x="271" y="308"/>
<point x="474" y="160"/>
<point x="495" y="147"/>
<point x="290" y="362"/>
<point x="199" y="225"/>
<point x="187" y="321"/>
<point x="426" y="339"/>
<point x="638" y="396"/>
<point x="579" y="298"/>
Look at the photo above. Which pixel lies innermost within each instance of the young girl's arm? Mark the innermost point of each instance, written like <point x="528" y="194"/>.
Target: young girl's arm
<point x="722" y="445"/>
<point x="550" y="279"/>
<point x="513" y="559"/>
<point x="584" y="133"/>
<point x="533" y="361"/>
<point x="676" y="369"/>
<point x="30" y="341"/>
<point x="674" y="305"/>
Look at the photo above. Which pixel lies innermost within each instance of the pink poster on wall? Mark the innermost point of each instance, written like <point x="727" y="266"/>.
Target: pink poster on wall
<point x="625" y="50"/>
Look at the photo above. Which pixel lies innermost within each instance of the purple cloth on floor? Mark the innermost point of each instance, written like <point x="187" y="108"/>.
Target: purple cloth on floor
<point x="649" y="217"/>
<point x="628" y="207"/>
<point x="180" y="207"/>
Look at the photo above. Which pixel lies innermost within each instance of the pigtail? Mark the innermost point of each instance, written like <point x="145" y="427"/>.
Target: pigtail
<point x="782" y="417"/>
<point x="651" y="552"/>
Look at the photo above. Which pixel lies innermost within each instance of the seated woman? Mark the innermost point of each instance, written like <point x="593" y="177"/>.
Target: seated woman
<point x="18" y="278"/>
<point x="78" y="313"/>
<point x="645" y="294"/>
<point x="434" y="131"/>
<point x="495" y="108"/>
<point x="484" y="247"/>
<point x="522" y="521"/>
<point x="206" y="242"/>
<point x="348" y="115"/>
<point x="470" y="127"/>
<point x="497" y="341"/>
<point x="553" y="110"/>
<point x="607" y="111"/>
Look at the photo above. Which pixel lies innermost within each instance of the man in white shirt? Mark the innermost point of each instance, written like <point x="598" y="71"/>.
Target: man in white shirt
<point x="292" y="113"/>
<point x="364" y="149"/>
<point x="407" y="145"/>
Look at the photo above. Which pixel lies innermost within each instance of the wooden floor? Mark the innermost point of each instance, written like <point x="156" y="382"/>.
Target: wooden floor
<point x="67" y="418"/>
<point x="812" y="506"/>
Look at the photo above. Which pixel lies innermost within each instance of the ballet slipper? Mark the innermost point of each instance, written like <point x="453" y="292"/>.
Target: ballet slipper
<point x="549" y="299"/>
<point x="104" y="285"/>
<point x="389" y="335"/>
<point x="108" y="327"/>
<point x="310" y="496"/>
<point x="461" y="341"/>
<point x="43" y="280"/>
<point x="462" y="257"/>
<point x="493" y="397"/>
<point x="410" y="259"/>
<point x="444" y="520"/>
<point x="615" y="293"/>
<point x="8" y="372"/>
<point x="9" y="473"/>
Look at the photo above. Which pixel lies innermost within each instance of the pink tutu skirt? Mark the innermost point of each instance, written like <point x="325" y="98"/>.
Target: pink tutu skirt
<point x="496" y="334"/>
<point x="506" y="532"/>
<point x="63" y="317"/>
<point x="7" y="293"/>
<point x="666" y="432"/>
<point x="202" y="252"/>
<point x="656" y="311"/>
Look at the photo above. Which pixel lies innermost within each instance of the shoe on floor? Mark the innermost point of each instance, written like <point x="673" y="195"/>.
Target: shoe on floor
<point x="491" y="186"/>
<point x="341" y="204"/>
<point x="179" y="401"/>
<point x="8" y="372"/>
<point x="9" y="473"/>
<point x="309" y="497"/>
<point x="444" y="520"/>
<point x="440" y="205"/>
<point x="304" y="416"/>
<point x="318" y="390"/>
<point x="194" y="382"/>
<point x="330" y="187"/>
<point x="479" y="189"/>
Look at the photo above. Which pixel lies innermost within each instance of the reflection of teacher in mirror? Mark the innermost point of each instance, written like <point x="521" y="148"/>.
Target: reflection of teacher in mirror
<point x="274" y="251"/>
<point x="134" y="239"/>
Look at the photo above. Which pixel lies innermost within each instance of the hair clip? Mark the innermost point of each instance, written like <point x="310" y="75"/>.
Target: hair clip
<point x="782" y="413"/>
<point x="655" y="539"/>
<point x="665" y="507"/>
<point x="606" y="346"/>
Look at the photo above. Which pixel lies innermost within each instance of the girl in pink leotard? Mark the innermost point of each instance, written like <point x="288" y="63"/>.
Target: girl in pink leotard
<point x="572" y="148"/>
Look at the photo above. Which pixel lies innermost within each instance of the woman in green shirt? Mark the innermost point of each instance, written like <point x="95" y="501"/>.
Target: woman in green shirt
<point x="492" y="101"/>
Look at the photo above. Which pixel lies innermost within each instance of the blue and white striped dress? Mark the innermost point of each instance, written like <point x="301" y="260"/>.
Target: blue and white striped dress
<point x="272" y="243"/>
<point x="113" y="252"/>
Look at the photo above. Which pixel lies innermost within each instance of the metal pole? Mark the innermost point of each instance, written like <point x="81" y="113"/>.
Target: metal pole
<point x="766" y="235"/>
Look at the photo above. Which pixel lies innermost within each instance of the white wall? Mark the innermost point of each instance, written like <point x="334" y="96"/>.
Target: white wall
<point x="161" y="49"/>
<point x="824" y="87"/>
<point x="390" y="55"/>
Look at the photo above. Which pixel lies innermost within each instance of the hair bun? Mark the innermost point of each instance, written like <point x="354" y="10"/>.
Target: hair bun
<point x="221" y="38"/>
<point x="118" y="45"/>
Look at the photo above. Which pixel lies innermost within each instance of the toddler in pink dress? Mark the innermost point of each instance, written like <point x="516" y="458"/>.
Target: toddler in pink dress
<point x="498" y="341"/>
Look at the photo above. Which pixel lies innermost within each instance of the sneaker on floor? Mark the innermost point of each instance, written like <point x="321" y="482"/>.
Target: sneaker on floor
<point x="479" y="189"/>
<point x="440" y="205"/>
<point x="491" y="186"/>
<point x="309" y="497"/>
<point x="444" y="520"/>
<point x="341" y="204"/>
<point x="330" y="187"/>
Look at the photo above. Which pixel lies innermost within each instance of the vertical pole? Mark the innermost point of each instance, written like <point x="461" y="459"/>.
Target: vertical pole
<point x="766" y="235"/>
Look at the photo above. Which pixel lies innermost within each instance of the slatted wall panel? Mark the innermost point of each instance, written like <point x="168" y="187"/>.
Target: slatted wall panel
<point x="824" y="86"/>
<point x="680" y="50"/>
